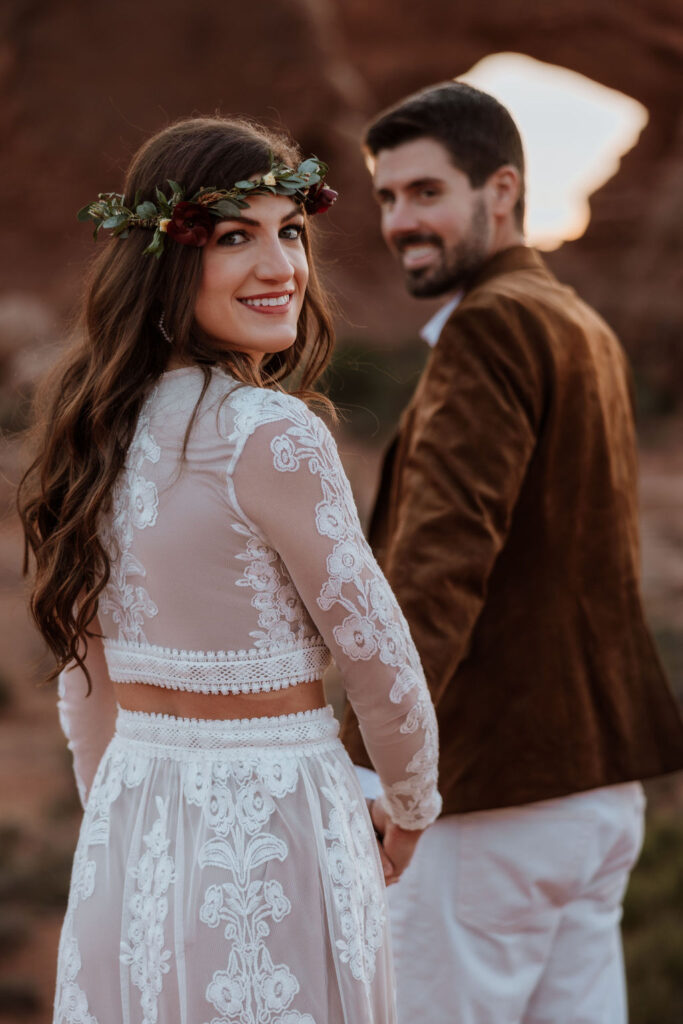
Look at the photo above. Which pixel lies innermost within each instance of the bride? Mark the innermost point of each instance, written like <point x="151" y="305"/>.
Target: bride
<point x="198" y="560"/>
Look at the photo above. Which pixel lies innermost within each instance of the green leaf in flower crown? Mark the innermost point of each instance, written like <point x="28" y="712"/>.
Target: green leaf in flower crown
<point x="115" y="221"/>
<point x="309" y="166"/>
<point x="244" y="186"/>
<point x="146" y="210"/>
<point x="226" y="208"/>
<point x="164" y="205"/>
<point x="175" y="187"/>
<point x="156" y="246"/>
<point x="84" y="214"/>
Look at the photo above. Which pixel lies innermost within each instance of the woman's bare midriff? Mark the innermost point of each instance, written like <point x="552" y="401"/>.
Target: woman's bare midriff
<point x="181" y="704"/>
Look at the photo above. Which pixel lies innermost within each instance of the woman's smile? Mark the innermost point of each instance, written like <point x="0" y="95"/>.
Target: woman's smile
<point x="268" y="303"/>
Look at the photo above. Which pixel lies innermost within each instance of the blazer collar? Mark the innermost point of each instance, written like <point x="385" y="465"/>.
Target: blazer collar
<point x="518" y="257"/>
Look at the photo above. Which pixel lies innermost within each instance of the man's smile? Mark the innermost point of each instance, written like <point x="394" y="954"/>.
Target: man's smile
<point x="420" y="255"/>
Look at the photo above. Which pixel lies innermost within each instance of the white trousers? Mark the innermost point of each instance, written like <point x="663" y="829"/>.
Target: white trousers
<point x="512" y="916"/>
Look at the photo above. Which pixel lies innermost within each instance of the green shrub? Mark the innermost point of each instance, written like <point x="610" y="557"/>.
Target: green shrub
<point x="653" y="932"/>
<point x="371" y="384"/>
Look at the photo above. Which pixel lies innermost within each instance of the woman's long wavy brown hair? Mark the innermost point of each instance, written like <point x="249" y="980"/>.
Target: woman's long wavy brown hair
<point x="86" y="411"/>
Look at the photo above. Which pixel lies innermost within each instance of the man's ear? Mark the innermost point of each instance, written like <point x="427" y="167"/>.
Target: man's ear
<point x="370" y="159"/>
<point x="504" y="187"/>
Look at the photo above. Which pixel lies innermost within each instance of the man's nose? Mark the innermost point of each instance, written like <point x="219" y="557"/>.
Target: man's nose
<point x="399" y="219"/>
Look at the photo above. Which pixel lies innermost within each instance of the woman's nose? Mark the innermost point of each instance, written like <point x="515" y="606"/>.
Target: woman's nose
<point x="274" y="264"/>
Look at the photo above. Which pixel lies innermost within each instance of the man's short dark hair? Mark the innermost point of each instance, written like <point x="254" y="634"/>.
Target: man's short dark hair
<point x="478" y="132"/>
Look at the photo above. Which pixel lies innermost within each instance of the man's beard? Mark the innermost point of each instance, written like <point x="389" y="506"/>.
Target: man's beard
<point x="457" y="265"/>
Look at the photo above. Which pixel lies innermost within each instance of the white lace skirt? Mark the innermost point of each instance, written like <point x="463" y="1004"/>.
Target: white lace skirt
<point x="226" y="873"/>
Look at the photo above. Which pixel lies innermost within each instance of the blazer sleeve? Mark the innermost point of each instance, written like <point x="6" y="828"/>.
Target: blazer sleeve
<point x="87" y="721"/>
<point x="474" y="434"/>
<point x="291" y="490"/>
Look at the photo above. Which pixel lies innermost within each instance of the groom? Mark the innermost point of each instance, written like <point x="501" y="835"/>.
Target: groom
<point x="506" y="522"/>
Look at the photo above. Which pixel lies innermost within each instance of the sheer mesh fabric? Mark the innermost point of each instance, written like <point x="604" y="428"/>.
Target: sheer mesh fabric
<point x="227" y="871"/>
<point x="223" y="884"/>
<point x="242" y="567"/>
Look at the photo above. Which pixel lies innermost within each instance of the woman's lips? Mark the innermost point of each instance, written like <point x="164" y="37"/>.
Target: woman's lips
<point x="270" y="303"/>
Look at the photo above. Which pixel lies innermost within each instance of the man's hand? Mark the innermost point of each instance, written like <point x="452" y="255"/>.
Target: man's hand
<point x="396" y="844"/>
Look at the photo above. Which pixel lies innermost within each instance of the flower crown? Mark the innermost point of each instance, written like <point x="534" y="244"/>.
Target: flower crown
<point x="192" y="222"/>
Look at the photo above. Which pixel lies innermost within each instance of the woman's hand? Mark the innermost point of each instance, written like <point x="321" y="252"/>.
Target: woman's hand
<point x="396" y="844"/>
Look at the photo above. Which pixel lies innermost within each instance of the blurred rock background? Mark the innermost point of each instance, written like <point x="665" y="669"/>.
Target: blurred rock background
<point x="83" y="82"/>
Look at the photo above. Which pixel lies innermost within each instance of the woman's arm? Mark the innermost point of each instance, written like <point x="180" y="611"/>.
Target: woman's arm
<point x="291" y="490"/>
<point x="87" y="721"/>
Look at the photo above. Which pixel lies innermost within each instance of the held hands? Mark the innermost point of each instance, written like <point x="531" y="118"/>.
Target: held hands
<point x="396" y="844"/>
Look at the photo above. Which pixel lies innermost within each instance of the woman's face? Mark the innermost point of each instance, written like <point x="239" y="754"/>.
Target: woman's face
<point x="254" y="276"/>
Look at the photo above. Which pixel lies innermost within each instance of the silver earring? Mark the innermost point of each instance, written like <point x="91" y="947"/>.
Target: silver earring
<point x="162" y="330"/>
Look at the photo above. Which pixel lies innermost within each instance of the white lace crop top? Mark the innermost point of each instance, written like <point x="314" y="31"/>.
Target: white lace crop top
<point x="242" y="567"/>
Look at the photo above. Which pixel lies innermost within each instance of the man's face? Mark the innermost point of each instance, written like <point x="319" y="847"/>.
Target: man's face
<point x="438" y="226"/>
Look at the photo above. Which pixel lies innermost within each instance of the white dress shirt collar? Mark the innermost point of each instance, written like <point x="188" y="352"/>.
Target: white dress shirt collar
<point x="431" y="332"/>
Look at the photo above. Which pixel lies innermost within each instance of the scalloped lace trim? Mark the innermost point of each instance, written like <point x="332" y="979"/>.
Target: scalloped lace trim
<point x="166" y="735"/>
<point x="252" y="671"/>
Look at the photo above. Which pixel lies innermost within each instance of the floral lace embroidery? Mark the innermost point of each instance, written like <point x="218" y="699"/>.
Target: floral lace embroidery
<point x="71" y="1002"/>
<point x="144" y="953"/>
<point x="237" y="795"/>
<point x="374" y="625"/>
<point x="250" y="408"/>
<point x="134" y="506"/>
<point x="282" y="616"/>
<point x="358" y="899"/>
<point x="251" y="989"/>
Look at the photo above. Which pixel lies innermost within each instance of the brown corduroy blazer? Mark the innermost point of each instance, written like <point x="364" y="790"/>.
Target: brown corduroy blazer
<point x="506" y="523"/>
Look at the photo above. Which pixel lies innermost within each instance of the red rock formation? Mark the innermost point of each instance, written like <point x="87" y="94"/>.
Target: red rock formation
<point x="82" y="83"/>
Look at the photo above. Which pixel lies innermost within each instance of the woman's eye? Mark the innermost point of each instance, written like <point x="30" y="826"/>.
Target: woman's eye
<point x="292" y="231"/>
<point x="232" y="238"/>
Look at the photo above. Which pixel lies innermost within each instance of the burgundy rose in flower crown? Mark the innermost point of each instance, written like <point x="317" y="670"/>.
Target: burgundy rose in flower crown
<point x="191" y="222"/>
<point x="320" y="198"/>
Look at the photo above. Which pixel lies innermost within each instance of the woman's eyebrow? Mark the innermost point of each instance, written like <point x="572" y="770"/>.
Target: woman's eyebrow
<point x="257" y="223"/>
<point x="292" y="213"/>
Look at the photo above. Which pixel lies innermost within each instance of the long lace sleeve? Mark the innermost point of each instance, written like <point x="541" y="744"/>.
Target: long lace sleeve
<point x="87" y="721"/>
<point x="290" y="489"/>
